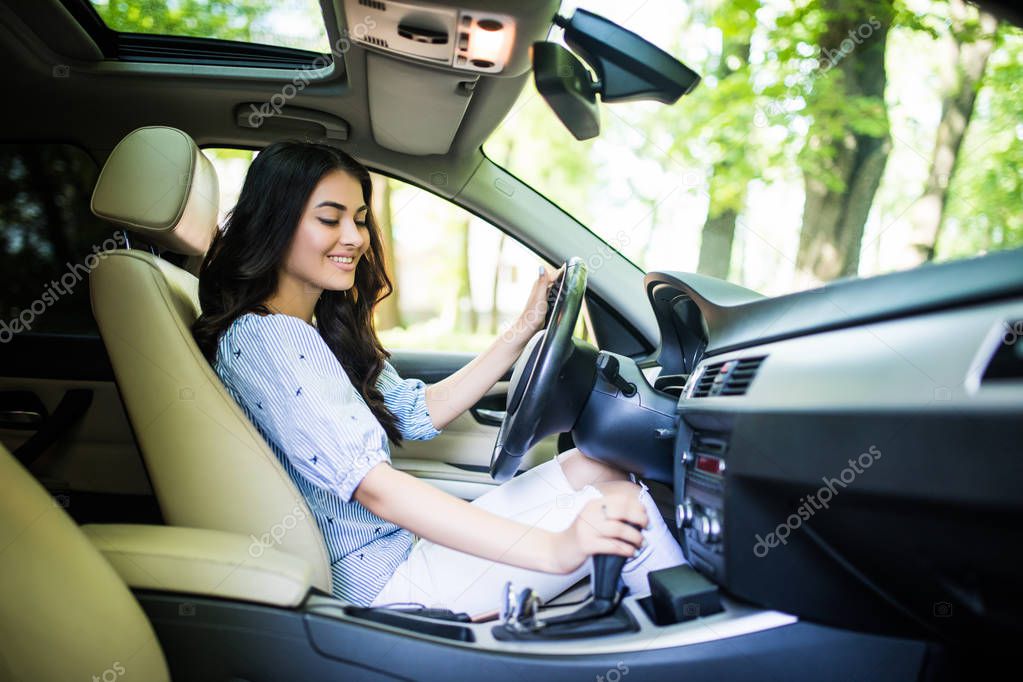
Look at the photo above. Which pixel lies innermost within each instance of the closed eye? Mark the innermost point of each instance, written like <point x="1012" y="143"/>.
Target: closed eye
<point x="329" y="222"/>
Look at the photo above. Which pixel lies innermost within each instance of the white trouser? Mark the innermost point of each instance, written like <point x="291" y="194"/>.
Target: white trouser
<point x="436" y="576"/>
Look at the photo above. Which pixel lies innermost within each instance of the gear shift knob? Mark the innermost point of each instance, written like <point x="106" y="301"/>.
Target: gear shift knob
<point x="606" y="570"/>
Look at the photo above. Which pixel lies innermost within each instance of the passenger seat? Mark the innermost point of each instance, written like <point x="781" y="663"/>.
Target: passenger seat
<point x="64" y="611"/>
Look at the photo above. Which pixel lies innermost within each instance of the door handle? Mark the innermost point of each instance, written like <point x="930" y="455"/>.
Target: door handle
<point x="20" y="419"/>
<point x="21" y="410"/>
<point x="495" y="415"/>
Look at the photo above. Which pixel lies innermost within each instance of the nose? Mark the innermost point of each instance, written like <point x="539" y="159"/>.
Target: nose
<point x="351" y="236"/>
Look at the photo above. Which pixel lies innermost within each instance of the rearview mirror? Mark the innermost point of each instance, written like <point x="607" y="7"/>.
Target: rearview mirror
<point x="565" y="84"/>
<point x="627" y="68"/>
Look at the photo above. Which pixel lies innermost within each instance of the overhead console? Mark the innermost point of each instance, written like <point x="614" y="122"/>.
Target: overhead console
<point x="427" y="59"/>
<point x="471" y="40"/>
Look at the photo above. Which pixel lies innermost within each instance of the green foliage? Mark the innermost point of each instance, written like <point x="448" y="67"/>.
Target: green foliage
<point x="246" y="21"/>
<point x="774" y="108"/>
<point x="212" y="18"/>
<point x="983" y="210"/>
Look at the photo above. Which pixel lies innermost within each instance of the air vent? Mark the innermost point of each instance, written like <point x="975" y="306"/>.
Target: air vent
<point x="732" y="377"/>
<point x="379" y="42"/>
<point x="1007" y="361"/>
<point x="374" y="4"/>
<point x="706" y="443"/>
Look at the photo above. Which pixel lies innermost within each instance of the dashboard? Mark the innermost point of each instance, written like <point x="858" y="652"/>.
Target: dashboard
<point x="854" y="454"/>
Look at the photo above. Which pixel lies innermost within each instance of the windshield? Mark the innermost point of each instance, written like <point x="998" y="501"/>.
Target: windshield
<point x="827" y="139"/>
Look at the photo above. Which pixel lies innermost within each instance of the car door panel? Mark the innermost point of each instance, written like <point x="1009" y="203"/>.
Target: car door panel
<point x="98" y="454"/>
<point x="468" y="441"/>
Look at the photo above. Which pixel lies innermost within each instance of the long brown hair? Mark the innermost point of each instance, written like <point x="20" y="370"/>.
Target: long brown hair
<point x="240" y="269"/>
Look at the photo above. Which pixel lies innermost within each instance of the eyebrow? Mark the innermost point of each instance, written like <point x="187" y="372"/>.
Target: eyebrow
<point x="340" y="207"/>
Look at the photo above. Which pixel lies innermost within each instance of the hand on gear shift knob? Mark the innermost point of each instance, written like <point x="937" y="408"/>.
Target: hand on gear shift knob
<point x="607" y="568"/>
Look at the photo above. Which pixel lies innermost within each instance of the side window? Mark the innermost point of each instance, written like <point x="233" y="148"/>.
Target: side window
<point x="231" y="166"/>
<point x="458" y="280"/>
<point x="49" y="239"/>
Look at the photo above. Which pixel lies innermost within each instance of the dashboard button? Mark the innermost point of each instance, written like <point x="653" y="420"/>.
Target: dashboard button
<point x="702" y="524"/>
<point x="713" y="530"/>
<point x="684" y="514"/>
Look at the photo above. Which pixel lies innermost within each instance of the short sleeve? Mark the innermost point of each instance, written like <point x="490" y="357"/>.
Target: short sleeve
<point x="304" y="400"/>
<point x="406" y="399"/>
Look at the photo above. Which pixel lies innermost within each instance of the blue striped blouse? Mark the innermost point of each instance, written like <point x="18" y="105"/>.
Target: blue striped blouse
<point x="291" y="386"/>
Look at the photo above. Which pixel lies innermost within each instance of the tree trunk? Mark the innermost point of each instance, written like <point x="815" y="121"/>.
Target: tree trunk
<point x="967" y="57"/>
<point x="388" y="313"/>
<point x="835" y="210"/>
<point x="465" y="313"/>
<point x="719" y="228"/>
<point x="494" y="309"/>
<point x="716" y="244"/>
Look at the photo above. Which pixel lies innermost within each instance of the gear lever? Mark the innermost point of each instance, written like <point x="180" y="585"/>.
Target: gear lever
<point x="600" y="615"/>
<point x="607" y="568"/>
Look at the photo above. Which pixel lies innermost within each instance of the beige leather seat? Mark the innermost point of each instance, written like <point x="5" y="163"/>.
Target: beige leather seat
<point x="208" y="464"/>
<point x="64" y="612"/>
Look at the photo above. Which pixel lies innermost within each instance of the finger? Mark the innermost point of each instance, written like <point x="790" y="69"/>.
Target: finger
<point x="551" y="277"/>
<point x="617" y="547"/>
<point x="623" y="531"/>
<point x="629" y="509"/>
<point x="637" y="514"/>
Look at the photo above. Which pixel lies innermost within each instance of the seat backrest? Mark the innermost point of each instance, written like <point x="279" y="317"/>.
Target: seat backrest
<point x="209" y="465"/>
<point x="64" y="612"/>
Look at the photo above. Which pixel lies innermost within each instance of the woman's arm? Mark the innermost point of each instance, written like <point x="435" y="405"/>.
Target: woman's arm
<point x="447" y="520"/>
<point x="450" y="397"/>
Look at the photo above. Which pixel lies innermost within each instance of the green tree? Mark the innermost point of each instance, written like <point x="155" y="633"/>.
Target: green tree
<point x="964" y="48"/>
<point x="733" y="165"/>
<point x="198" y="18"/>
<point x="848" y="142"/>
<point x="388" y="311"/>
<point x="983" y="209"/>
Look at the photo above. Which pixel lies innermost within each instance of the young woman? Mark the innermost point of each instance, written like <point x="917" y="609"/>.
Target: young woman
<point x="287" y="293"/>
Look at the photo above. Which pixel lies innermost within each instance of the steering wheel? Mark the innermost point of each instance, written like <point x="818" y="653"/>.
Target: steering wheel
<point x="535" y="377"/>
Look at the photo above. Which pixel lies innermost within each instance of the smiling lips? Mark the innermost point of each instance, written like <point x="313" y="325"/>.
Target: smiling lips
<point x="346" y="263"/>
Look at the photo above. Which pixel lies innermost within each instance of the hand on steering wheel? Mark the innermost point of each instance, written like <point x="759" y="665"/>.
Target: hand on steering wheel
<point x="537" y="372"/>
<point x="538" y="306"/>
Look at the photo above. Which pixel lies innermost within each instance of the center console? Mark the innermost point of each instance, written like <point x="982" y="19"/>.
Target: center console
<point x="264" y="622"/>
<point x="700" y="464"/>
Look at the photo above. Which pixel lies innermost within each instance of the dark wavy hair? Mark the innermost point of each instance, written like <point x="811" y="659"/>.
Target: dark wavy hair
<point x="240" y="269"/>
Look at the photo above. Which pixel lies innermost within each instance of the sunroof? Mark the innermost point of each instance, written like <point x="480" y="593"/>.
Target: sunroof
<point x="283" y="23"/>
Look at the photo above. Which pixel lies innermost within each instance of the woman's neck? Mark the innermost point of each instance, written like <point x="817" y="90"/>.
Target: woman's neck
<point x="297" y="301"/>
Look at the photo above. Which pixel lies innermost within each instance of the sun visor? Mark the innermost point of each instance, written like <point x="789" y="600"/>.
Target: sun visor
<point x="414" y="109"/>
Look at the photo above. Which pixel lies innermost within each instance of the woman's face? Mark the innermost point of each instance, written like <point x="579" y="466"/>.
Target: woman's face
<point x="332" y="235"/>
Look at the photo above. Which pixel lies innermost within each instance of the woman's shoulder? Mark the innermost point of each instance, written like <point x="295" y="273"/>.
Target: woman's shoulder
<point x="259" y="323"/>
<point x="256" y="328"/>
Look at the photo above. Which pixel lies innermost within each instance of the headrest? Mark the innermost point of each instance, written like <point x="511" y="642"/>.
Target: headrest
<point x="159" y="184"/>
